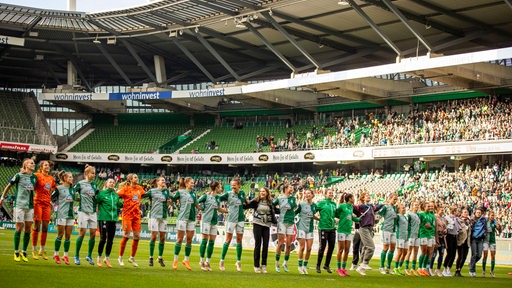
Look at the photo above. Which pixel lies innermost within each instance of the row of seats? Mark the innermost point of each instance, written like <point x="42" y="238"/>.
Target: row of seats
<point x="15" y="122"/>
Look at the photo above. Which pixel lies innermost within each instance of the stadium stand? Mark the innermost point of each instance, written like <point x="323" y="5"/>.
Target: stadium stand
<point x="133" y="133"/>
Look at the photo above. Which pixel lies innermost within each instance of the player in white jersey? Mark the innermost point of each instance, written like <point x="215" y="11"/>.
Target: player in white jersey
<point x="23" y="212"/>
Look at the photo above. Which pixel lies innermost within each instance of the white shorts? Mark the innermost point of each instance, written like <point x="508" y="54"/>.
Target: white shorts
<point x="157" y="225"/>
<point x="23" y="215"/>
<point x="430" y="242"/>
<point x="284" y="228"/>
<point x="65" y="222"/>
<point x="489" y="247"/>
<point x="415" y="242"/>
<point x="208" y="229"/>
<point x="402" y="244"/>
<point x="186" y="225"/>
<point x="305" y="235"/>
<point x="87" y="220"/>
<point x="344" y="237"/>
<point x="388" y="237"/>
<point x="237" y="227"/>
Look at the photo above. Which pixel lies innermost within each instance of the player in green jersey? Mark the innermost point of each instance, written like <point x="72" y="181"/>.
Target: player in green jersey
<point x="402" y="229"/>
<point x="326" y="230"/>
<point x="209" y="219"/>
<point x="305" y="227"/>
<point x="64" y="196"/>
<point x="186" y="224"/>
<point x="159" y="197"/>
<point x="427" y="236"/>
<point x="413" y="238"/>
<point x="87" y="217"/>
<point x="490" y="242"/>
<point x="23" y="211"/>
<point x="388" y="234"/>
<point x="286" y="203"/>
<point x="234" y="222"/>
<point x="345" y="235"/>
<point x="108" y="203"/>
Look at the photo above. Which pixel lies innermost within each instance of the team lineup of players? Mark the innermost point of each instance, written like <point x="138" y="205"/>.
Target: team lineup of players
<point x="424" y="228"/>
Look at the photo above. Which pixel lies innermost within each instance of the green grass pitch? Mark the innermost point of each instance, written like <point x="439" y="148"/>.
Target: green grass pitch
<point x="43" y="273"/>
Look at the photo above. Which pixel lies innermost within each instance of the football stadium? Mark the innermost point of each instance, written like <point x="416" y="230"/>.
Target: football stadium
<point x="288" y="142"/>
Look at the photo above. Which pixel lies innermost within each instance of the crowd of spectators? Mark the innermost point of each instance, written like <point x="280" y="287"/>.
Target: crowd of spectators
<point x="473" y="119"/>
<point x="488" y="186"/>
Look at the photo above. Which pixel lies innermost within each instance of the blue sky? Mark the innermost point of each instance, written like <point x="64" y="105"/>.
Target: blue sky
<point x="81" y="5"/>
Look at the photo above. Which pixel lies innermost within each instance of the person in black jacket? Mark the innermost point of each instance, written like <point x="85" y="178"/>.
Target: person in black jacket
<point x="263" y="217"/>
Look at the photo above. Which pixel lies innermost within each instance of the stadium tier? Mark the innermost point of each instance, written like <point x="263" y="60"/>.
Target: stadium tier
<point x="16" y="124"/>
<point x="132" y="133"/>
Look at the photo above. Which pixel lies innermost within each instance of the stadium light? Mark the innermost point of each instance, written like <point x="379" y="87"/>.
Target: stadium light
<point x="111" y="41"/>
<point x="96" y="41"/>
<point x="343" y="3"/>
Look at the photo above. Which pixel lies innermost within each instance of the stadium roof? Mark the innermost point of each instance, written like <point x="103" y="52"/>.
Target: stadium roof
<point x="222" y="41"/>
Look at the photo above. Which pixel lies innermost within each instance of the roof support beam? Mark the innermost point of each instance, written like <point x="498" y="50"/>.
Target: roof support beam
<point x="325" y="30"/>
<point x="462" y="17"/>
<point x="114" y="64"/>
<point x="75" y="62"/>
<point x="139" y="60"/>
<point x="169" y="18"/>
<point x="290" y="38"/>
<point x="145" y="22"/>
<point x="215" y="7"/>
<point x="270" y="46"/>
<point x="130" y="49"/>
<point x="420" y="19"/>
<point x="252" y="72"/>
<point x="245" y="4"/>
<point x="193" y="59"/>
<point x="31" y="25"/>
<point x="339" y="60"/>
<point x="375" y="27"/>
<point x="509" y="3"/>
<point x="216" y="55"/>
<point x="405" y="21"/>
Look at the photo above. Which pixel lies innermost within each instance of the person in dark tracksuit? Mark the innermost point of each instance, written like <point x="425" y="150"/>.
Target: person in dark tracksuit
<point x="326" y="230"/>
<point x="366" y="214"/>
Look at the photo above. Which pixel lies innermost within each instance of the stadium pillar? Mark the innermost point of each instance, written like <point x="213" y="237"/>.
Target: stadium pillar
<point x="161" y="75"/>
<point x="71" y="5"/>
<point x="71" y="74"/>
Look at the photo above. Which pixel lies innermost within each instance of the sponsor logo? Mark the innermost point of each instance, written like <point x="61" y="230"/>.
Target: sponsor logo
<point x="14" y="146"/>
<point x="207" y="92"/>
<point x="358" y="153"/>
<point x="166" y="159"/>
<point x="309" y="156"/>
<point x="113" y="157"/>
<point x="140" y="95"/>
<point x="215" y="158"/>
<point x="263" y="157"/>
<point x="61" y="156"/>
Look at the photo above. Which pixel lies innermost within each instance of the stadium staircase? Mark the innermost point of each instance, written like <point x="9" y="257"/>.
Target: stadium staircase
<point x="193" y="140"/>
